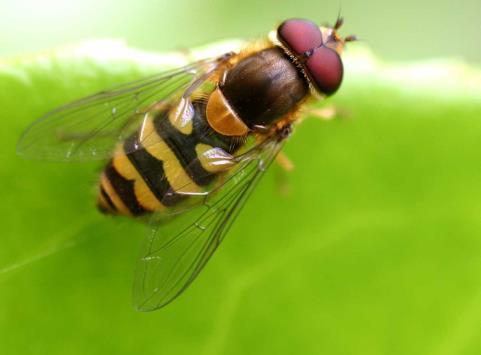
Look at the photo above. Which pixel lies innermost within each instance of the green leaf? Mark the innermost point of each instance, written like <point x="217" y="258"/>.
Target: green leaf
<point x="370" y="246"/>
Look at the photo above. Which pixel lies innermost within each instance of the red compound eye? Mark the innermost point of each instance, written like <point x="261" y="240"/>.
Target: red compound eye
<point x="325" y="68"/>
<point x="300" y="35"/>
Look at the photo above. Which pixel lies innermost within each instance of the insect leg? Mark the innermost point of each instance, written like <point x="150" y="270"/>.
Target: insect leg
<point x="284" y="162"/>
<point x="325" y="114"/>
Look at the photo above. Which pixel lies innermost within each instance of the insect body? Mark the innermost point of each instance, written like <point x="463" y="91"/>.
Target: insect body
<point x="192" y="143"/>
<point x="187" y="143"/>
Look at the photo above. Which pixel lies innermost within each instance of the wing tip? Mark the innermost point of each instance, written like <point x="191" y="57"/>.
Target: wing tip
<point x="27" y="146"/>
<point x="143" y="304"/>
<point x="24" y="150"/>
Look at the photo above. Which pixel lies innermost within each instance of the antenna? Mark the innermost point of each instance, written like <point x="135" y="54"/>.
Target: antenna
<point x="339" y="20"/>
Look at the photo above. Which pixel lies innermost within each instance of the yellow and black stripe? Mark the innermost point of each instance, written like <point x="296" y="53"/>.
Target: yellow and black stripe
<point x="146" y="179"/>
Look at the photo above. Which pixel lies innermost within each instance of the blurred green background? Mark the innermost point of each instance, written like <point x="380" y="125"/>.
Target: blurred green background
<point x="407" y="29"/>
<point x="370" y="246"/>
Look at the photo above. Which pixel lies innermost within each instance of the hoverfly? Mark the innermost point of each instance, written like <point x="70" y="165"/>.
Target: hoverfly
<point x="192" y="143"/>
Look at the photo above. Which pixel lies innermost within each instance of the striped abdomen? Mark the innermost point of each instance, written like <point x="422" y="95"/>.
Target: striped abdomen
<point x="259" y="90"/>
<point x="170" y="159"/>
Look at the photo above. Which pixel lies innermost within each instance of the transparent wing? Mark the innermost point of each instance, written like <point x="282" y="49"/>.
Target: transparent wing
<point x="172" y="257"/>
<point x="89" y="128"/>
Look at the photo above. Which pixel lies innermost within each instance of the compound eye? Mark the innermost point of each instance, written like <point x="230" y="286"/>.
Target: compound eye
<point x="325" y="68"/>
<point x="300" y="35"/>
